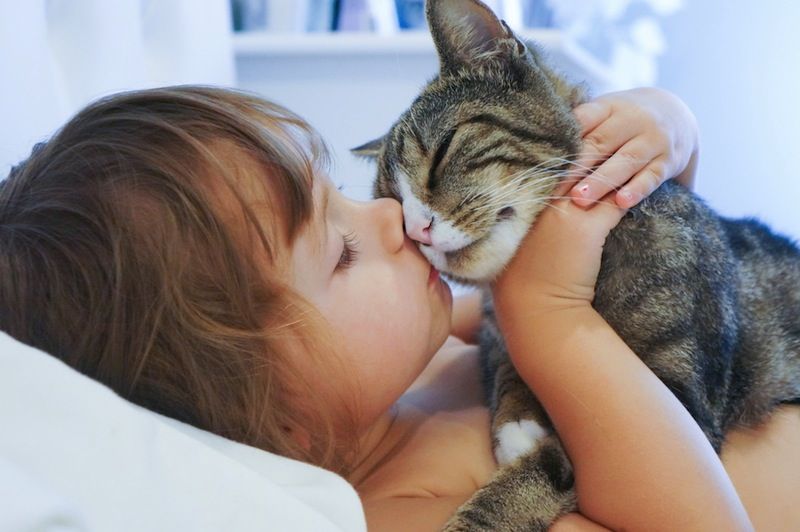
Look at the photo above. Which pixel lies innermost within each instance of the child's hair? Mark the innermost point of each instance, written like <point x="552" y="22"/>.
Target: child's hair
<point x="138" y="247"/>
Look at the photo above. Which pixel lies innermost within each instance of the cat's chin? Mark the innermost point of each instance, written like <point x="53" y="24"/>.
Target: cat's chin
<point x="435" y="257"/>
<point x="483" y="259"/>
<point x="481" y="274"/>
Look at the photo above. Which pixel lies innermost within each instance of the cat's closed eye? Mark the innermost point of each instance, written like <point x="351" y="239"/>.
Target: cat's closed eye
<point x="437" y="158"/>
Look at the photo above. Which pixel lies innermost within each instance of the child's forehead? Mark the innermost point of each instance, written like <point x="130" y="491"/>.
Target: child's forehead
<point x="241" y="182"/>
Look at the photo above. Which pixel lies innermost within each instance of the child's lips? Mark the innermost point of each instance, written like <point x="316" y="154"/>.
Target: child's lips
<point x="433" y="275"/>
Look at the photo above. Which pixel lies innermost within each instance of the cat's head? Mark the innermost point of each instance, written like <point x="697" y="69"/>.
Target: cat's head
<point x="475" y="157"/>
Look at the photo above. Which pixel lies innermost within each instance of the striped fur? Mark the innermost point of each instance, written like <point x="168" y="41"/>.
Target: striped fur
<point x="711" y="305"/>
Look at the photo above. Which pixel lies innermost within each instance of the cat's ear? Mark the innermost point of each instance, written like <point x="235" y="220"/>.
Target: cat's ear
<point x="369" y="150"/>
<point x="467" y="34"/>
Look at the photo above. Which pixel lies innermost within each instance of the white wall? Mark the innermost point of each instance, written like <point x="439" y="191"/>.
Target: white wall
<point x="349" y="99"/>
<point x="737" y="65"/>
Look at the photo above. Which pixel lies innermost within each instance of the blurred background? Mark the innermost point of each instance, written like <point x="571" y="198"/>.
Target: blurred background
<point x="351" y="66"/>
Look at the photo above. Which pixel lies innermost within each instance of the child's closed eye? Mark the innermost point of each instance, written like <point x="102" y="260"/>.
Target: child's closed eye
<point x="349" y="251"/>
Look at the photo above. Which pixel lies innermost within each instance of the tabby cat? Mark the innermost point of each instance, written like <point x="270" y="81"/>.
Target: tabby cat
<point x="711" y="305"/>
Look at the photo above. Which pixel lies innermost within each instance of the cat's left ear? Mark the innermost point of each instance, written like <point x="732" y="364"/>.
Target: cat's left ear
<point x="468" y="34"/>
<point x="369" y="150"/>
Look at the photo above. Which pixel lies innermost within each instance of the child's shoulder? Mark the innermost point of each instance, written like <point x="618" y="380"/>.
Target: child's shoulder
<point x="441" y="454"/>
<point x="445" y="447"/>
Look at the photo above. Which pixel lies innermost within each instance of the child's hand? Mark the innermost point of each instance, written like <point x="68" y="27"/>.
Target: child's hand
<point x="639" y="138"/>
<point x="557" y="263"/>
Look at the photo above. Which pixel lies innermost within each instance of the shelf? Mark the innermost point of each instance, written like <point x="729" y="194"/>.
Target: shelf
<point x="565" y="52"/>
<point x="345" y="43"/>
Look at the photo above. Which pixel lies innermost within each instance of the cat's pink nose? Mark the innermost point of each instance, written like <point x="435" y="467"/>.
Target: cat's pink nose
<point x="420" y="231"/>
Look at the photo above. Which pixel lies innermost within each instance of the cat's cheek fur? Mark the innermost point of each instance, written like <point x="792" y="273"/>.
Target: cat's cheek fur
<point x="483" y="261"/>
<point x="413" y="209"/>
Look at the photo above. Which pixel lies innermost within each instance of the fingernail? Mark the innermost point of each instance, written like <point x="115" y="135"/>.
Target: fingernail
<point x="626" y="194"/>
<point x="583" y="189"/>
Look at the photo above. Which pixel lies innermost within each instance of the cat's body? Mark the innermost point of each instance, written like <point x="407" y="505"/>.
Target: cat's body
<point x="711" y="305"/>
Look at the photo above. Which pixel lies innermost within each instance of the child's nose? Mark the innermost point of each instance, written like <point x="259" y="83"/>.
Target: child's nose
<point x="391" y="216"/>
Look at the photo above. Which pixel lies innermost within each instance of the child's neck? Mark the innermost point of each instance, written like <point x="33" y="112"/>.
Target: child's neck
<point x="382" y="440"/>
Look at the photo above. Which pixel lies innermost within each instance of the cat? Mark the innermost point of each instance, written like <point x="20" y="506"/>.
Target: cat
<point x="711" y="305"/>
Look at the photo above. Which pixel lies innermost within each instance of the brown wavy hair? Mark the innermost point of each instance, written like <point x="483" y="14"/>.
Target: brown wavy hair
<point x="145" y="245"/>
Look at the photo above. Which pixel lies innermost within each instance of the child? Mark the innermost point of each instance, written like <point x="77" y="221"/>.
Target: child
<point x="184" y="246"/>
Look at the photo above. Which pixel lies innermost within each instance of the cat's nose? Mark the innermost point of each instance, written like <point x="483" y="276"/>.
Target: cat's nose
<point x="420" y="230"/>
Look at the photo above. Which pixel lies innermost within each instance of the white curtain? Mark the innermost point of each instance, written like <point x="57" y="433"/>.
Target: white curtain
<point x="58" y="55"/>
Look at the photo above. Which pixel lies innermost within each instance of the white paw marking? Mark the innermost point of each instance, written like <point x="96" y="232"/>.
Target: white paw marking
<point x="517" y="438"/>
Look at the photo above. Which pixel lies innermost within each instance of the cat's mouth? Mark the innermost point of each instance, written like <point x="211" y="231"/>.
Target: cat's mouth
<point x="459" y="264"/>
<point x="438" y="259"/>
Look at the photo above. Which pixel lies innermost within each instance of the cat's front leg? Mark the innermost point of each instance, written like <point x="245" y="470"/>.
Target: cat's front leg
<point x="529" y="494"/>
<point x="519" y="423"/>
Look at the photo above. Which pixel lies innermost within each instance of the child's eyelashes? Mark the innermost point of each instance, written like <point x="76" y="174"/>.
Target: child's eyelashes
<point x="349" y="252"/>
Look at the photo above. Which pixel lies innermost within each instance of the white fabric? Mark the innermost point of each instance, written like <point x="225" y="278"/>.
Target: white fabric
<point x="58" y="55"/>
<point x="75" y="456"/>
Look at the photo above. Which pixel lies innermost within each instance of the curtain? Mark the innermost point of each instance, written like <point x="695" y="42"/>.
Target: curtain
<point x="58" y="55"/>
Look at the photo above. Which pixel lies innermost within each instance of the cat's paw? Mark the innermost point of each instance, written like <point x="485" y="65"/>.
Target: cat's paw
<point x="517" y="438"/>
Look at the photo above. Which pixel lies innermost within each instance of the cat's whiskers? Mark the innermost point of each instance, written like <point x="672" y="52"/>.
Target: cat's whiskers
<point x="499" y="200"/>
<point x="534" y="182"/>
<point x="535" y="176"/>
<point x="602" y="178"/>
<point x="530" y="181"/>
<point x="543" y="199"/>
<point x="539" y="177"/>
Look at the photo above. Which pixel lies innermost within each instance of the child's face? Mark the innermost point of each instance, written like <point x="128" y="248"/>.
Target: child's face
<point x="388" y="310"/>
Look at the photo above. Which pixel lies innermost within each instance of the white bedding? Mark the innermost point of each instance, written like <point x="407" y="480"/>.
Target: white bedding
<point x="75" y="456"/>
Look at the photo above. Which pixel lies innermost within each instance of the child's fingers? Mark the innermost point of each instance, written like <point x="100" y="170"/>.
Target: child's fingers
<point x="598" y="145"/>
<point x="642" y="184"/>
<point x="591" y="114"/>
<point x="615" y="172"/>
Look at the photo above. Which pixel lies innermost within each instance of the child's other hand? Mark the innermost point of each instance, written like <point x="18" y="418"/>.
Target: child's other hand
<point x="639" y="138"/>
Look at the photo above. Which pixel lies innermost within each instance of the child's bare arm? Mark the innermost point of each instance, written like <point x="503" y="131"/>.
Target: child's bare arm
<point x="640" y="460"/>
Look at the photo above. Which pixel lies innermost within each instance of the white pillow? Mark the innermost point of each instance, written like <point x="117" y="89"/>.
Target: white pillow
<point x="75" y="456"/>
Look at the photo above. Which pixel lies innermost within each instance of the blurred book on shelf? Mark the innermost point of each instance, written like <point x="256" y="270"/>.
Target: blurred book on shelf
<point x="353" y="15"/>
<point x="249" y="15"/>
<point x="411" y="14"/>
<point x="285" y="16"/>
<point x="322" y="15"/>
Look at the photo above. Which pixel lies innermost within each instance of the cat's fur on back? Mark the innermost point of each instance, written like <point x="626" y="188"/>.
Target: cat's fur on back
<point x="711" y="305"/>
